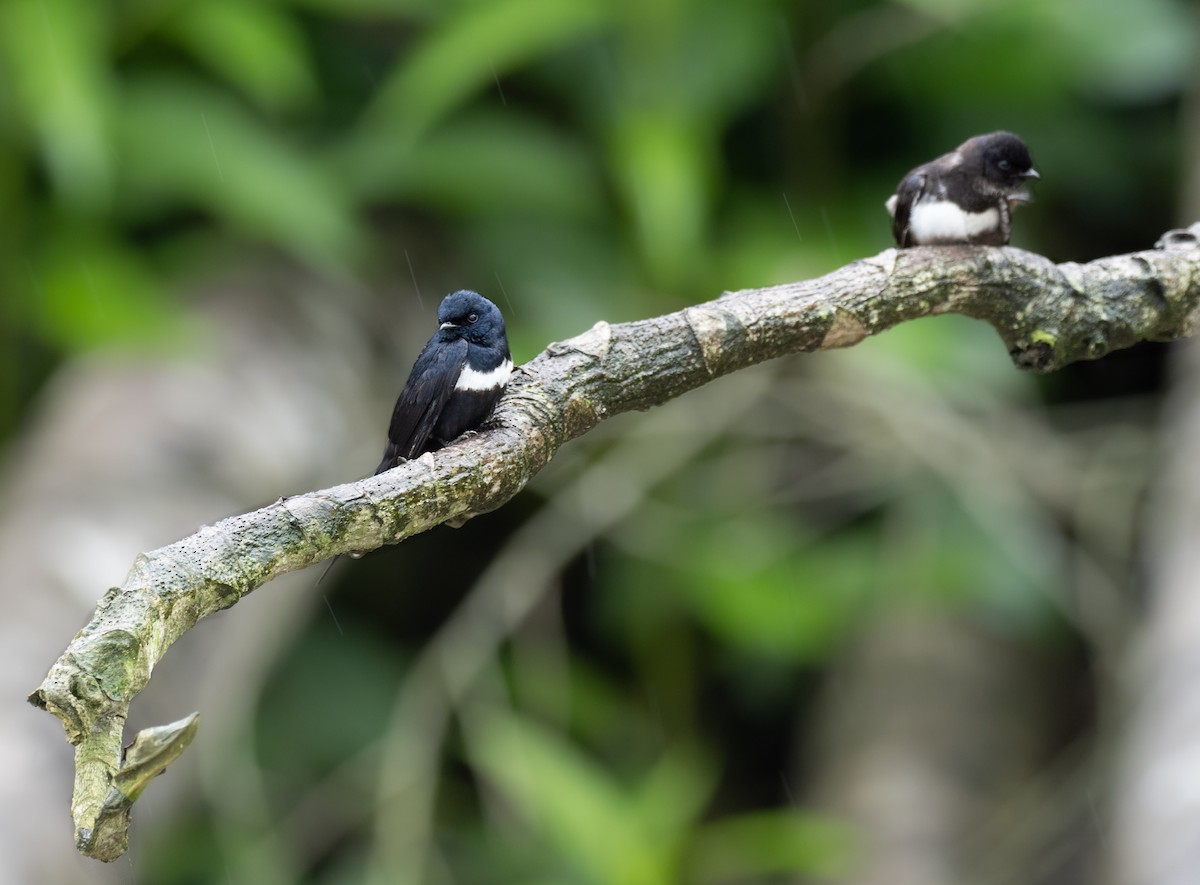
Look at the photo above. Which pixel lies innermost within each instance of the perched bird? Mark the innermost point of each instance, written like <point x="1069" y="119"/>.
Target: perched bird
<point x="455" y="382"/>
<point x="453" y="386"/>
<point x="965" y="196"/>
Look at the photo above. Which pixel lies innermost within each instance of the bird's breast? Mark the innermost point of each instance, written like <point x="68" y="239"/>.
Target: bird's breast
<point x="484" y="379"/>
<point x="944" y="221"/>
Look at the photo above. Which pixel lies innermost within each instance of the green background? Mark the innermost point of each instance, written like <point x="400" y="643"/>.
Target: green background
<point x="652" y="665"/>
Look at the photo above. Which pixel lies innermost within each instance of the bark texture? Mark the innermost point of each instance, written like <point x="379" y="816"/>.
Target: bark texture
<point x="1047" y="315"/>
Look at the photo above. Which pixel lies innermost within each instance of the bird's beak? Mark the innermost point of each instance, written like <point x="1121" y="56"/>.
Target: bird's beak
<point x="447" y="326"/>
<point x="1032" y="173"/>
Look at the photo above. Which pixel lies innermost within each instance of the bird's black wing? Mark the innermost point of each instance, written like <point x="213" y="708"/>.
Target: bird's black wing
<point x="911" y="189"/>
<point x="420" y="404"/>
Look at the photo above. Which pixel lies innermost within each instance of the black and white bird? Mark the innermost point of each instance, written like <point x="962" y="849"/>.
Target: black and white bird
<point x="453" y="386"/>
<point x="456" y="381"/>
<point x="965" y="196"/>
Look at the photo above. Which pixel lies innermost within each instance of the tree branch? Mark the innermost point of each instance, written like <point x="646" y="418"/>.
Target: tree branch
<point x="1047" y="315"/>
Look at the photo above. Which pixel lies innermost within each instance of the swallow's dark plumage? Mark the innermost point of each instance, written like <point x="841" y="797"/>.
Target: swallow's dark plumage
<point x="455" y="382"/>
<point x="965" y="196"/>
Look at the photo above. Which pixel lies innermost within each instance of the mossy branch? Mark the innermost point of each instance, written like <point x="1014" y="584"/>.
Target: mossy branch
<point x="1048" y="316"/>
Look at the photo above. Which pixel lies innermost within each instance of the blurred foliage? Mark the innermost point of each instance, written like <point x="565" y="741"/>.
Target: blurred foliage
<point x="632" y="710"/>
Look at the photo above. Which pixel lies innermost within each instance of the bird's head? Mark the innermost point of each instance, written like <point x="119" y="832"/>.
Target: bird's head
<point x="467" y="314"/>
<point x="1006" y="161"/>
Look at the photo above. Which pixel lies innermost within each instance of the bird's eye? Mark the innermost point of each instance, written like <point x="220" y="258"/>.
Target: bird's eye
<point x="472" y="318"/>
<point x="1004" y="165"/>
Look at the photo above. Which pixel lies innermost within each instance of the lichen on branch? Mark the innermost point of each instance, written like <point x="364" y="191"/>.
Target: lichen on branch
<point x="1048" y="316"/>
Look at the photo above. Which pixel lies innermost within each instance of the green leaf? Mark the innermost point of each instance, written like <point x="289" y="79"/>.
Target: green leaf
<point x="665" y="173"/>
<point x="772" y="842"/>
<point x="582" y="814"/>
<point x="185" y="143"/>
<point x="673" y="794"/>
<point x="91" y="292"/>
<point x="469" y="51"/>
<point x="755" y="587"/>
<point x="527" y="167"/>
<point x="253" y="45"/>
<point x="55" y="58"/>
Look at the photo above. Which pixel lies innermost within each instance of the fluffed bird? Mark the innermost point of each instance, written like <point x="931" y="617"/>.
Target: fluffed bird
<point x="966" y="196"/>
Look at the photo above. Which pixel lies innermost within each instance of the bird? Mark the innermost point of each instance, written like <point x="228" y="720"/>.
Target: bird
<point x="966" y="196"/>
<point x="453" y="386"/>
<point x="455" y="382"/>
